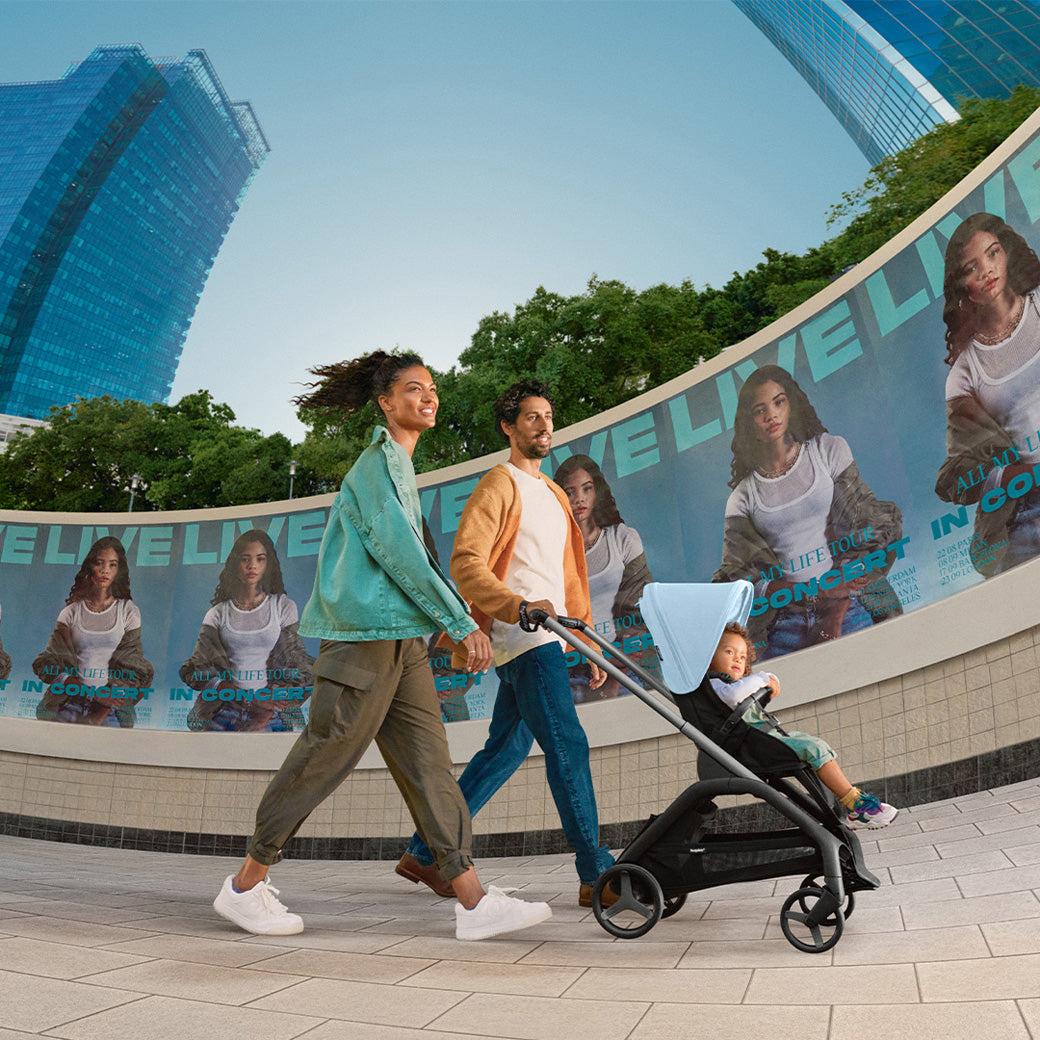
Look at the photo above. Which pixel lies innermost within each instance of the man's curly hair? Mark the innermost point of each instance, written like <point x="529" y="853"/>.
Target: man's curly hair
<point x="507" y="407"/>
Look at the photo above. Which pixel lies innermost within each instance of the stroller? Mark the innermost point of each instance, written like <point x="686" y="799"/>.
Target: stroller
<point x="674" y="853"/>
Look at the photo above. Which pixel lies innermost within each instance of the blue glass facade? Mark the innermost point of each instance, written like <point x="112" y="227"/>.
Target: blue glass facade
<point x="890" y="70"/>
<point x="118" y="183"/>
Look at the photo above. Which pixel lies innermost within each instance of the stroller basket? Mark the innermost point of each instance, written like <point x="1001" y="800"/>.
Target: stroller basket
<point x="677" y="852"/>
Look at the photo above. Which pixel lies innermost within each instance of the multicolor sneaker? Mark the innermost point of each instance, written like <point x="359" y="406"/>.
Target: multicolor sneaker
<point x="870" y="813"/>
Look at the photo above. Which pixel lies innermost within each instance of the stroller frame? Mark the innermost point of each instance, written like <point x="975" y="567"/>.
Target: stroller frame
<point x="665" y="861"/>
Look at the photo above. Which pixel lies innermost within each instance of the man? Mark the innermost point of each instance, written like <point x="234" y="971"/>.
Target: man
<point x="518" y="548"/>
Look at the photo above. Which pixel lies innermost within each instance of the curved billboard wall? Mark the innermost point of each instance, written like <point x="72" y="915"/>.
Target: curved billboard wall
<point x="876" y="450"/>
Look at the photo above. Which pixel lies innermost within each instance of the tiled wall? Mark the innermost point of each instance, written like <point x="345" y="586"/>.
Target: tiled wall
<point x="950" y="727"/>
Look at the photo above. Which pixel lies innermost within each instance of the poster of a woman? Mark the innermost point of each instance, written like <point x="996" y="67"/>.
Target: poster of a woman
<point x="617" y="569"/>
<point x="797" y="495"/>
<point x="5" y="662"/>
<point x="249" y="663"/>
<point x="992" y="318"/>
<point x="94" y="662"/>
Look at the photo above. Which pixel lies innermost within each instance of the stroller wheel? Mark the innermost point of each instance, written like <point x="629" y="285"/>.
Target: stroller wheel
<point x="673" y="904"/>
<point x="816" y="881"/>
<point x="810" y="920"/>
<point x="640" y="902"/>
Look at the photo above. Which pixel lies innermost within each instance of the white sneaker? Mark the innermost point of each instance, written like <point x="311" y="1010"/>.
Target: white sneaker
<point x="256" y="910"/>
<point x="496" y="914"/>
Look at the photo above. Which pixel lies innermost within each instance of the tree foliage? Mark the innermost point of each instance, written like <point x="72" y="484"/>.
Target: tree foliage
<point x="188" y="455"/>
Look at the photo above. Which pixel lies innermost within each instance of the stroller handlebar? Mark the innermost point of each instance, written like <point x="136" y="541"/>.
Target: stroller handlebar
<point x="538" y="618"/>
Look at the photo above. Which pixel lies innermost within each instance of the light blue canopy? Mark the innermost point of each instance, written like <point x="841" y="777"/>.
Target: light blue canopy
<point x="686" y="621"/>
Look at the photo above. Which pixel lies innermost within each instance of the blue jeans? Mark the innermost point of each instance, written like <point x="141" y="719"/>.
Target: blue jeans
<point x="790" y="628"/>
<point x="534" y="702"/>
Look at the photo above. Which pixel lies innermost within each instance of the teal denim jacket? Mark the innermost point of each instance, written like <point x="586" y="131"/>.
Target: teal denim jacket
<point x="375" y="577"/>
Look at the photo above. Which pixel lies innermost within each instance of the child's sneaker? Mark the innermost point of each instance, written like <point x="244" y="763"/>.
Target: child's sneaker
<point x="871" y="813"/>
<point x="256" y="910"/>
<point x="496" y="914"/>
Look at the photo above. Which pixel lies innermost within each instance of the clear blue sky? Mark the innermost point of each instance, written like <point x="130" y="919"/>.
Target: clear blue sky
<point x="434" y="162"/>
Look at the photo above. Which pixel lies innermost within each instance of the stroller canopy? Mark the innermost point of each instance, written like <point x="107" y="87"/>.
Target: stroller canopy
<point x="686" y="621"/>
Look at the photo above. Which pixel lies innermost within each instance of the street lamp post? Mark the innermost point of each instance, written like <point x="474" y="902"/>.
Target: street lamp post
<point x="135" y="483"/>
<point x="292" y="476"/>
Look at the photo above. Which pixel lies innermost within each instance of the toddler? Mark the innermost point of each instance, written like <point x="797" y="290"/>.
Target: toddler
<point x="730" y="677"/>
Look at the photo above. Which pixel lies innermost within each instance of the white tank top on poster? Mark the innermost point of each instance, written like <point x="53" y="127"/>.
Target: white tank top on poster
<point x="249" y="636"/>
<point x="1005" y="378"/>
<point x="96" y="634"/>
<point x="790" y="512"/>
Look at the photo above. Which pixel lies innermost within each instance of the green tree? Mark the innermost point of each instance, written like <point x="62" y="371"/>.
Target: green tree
<point x="188" y="455"/>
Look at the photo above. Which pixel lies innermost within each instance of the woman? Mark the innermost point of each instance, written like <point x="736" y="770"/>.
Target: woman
<point x="94" y="660"/>
<point x="249" y="648"/>
<point x="616" y="564"/>
<point x="992" y="317"/>
<point x="799" y="510"/>
<point x="377" y="596"/>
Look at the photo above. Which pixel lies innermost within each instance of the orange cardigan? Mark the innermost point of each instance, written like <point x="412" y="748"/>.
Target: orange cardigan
<point x="483" y="549"/>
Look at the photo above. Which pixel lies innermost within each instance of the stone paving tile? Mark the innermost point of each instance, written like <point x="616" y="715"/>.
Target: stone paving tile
<point x="743" y="954"/>
<point x="968" y="1021"/>
<point x="674" y="1021"/>
<point x="898" y="947"/>
<point x="539" y="1018"/>
<point x="1006" y="938"/>
<point x="60" y="960"/>
<point x="963" y="832"/>
<point x="996" y="978"/>
<point x="33" y="1003"/>
<point x="1013" y="879"/>
<point x="75" y="933"/>
<point x="987" y="842"/>
<point x="227" y="953"/>
<point x="679" y="985"/>
<point x="362" y="1002"/>
<point x="336" y="1030"/>
<point x="897" y="857"/>
<point x="1009" y="907"/>
<point x="950" y="868"/>
<point x="825" y="983"/>
<point x="1024" y="854"/>
<point x="621" y="953"/>
<point x="164" y="1018"/>
<point x="358" y="967"/>
<point x="192" y="981"/>
<point x="519" y="979"/>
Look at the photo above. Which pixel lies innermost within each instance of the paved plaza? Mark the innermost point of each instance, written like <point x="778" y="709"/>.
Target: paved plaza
<point x="105" y="944"/>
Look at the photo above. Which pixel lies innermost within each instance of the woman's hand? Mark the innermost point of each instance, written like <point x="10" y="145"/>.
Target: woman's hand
<point x="479" y="656"/>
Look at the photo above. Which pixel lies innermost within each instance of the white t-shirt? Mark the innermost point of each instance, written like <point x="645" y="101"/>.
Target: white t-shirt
<point x="536" y="567"/>
<point x="96" y="634"/>
<point x="616" y="546"/>
<point x="1005" y="379"/>
<point x="790" y="512"/>
<point x="249" y="636"/>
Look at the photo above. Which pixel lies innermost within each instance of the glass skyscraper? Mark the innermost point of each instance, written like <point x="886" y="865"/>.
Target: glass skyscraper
<point x="118" y="183"/>
<point x="890" y="70"/>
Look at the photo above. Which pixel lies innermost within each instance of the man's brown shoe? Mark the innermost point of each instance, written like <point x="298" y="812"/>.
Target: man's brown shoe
<point x="409" y="867"/>
<point x="608" y="898"/>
